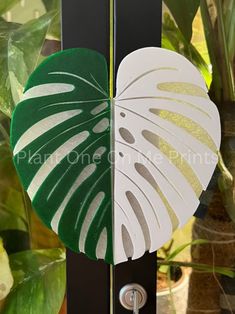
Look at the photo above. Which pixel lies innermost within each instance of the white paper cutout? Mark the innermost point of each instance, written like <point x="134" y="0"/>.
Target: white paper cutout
<point x="143" y="222"/>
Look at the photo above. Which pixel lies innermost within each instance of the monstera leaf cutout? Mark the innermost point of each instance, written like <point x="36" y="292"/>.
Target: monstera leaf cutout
<point x="115" y="177"/>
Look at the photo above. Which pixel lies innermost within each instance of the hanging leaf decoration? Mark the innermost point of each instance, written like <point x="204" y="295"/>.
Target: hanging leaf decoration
<point x="162" y="131"/>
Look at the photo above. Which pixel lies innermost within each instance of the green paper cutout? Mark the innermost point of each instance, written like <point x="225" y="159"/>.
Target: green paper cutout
<point x="82" y="105"/>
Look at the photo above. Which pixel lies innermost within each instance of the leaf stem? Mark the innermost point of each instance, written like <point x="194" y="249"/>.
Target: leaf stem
<point x="27" y="212"/>
<point x="212" y="47"/>
<point x="230" y="272"/>
<point x="4" y="133"/>
<point x="228" y="81"/>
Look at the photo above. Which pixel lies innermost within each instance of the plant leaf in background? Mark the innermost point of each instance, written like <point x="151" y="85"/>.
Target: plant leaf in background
<point x="184" y="12"/>
<point x="55" y="28"/>
<point x="11" y="221"/>
<point x="6" y="100"/>
<point x="6" y="5"/>
<point x="173" y="39"/>
<point x="13" y="216"/>
<point x="20" y="48"/>
<point x="39" y="282"/>
<point x="181" y="248"/>
<point x="171" y="256"/>
<point x="6" y="279"/>
<point x="229" y="18"/>
<point x="219" y="27"/>
<point x="227" y="271"/>
<point x="24" y="52"/>
<point x="11" y="190"/>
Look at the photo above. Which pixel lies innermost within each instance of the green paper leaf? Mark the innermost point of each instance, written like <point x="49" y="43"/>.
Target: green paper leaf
<point x="39" y="282"/>
<point x="77" y="109"/>
<point x="6" y="5"/>
<point x="184" y="12"/>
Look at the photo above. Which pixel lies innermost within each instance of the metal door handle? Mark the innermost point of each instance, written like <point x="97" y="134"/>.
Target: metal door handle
<point x="135" y="302"/>
<point x="133" y="297"/>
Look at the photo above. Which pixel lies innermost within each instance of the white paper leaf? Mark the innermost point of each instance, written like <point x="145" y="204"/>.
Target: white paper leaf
<point x="167" y="134"/>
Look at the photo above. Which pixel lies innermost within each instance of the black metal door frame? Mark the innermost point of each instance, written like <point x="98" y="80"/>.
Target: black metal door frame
<point x="93" y="287"/>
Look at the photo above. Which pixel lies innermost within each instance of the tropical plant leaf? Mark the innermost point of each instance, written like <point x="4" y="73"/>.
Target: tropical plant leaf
<point x="11" y="221"/>
<point x="6" y="279"/>
<point x="6" y="100"/>
<point x="24" y="49"/>
<point x="20" y="48"/>
<point x="61" y="143"/>
<point x="6" y="5"/>
<point x="227" y="271"/>
<point x="11" y="191"/>
<point x="13" y="217"/>
<point x="216" y="20"/>
<point x="227" y="65"/>
<point x="55" y="28"/>
<point x="229" y="18"/>
<point x="184" y="12"/>
<point x="39" y="282"/>
<point x="181" y="248"/>
<point x="174" y="40"/>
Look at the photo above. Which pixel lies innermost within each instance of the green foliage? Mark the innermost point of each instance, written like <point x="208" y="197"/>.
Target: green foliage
<point x="11" y="193"/>
<point x="55" y="28"/>
<point x="229" y="18"/>
<point x="169" y="262"/>
<point x="181" y="248"/>
<point x="174" y="40"/>
<point x="164" y="264"/>
<point x="39" y="276"/>
<point x="39" y="282"/>
<point x="20" y="48"/>
<point x="6" y="5"/>
<point x="184" y="12"/>
<point x="226" y="271"/>
<point x="219" y="28"/>
<point x="6" y="100"/>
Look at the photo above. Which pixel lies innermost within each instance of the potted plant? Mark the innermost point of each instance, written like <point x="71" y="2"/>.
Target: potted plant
<point x="173" y="277"/>
<point x="217" y="225"/>
<point x="172" y="283"/>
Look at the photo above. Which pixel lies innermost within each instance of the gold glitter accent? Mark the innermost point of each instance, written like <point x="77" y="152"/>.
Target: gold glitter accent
<point x="188" y="125"/>
<point x="178" y="160"/>
<point x="182" y="165"/>
<point x="172" y="215"/>
<point x="182" y="88"/>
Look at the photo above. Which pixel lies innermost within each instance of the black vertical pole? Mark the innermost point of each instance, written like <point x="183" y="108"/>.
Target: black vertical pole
<point x="85" y="23"/>
<point x="138" y="25"/>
